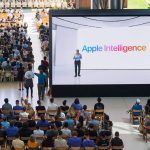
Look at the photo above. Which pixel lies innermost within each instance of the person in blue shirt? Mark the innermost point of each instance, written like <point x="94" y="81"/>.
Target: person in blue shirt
<point x="5" y="124"/>
<point x="93" y="121"/>
<point x="69" y="121"/>
<point x="76" y="105"/>
<point x="1" y="59"/>
<point x="87" y="142"/>
<point x="43" y="122"/>
<point x="137" y="106"/>
<point x="12" y="130"/>
<point x="41" y="84"/>
<point x="17" y="107"/>
<point x="74" y="141"/>
<point x="77" y="62"/>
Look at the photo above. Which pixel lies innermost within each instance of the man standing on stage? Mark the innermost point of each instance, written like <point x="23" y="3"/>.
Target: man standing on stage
<point x="77" y="62"/>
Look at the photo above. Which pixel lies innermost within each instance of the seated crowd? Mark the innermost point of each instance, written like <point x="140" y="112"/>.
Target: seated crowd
<point x="43" y="28"/>
<point x="15" y="51"/>
<point x="54" y="4"/>
<point x="57" y="126"/>
<point x="141" y="115"/>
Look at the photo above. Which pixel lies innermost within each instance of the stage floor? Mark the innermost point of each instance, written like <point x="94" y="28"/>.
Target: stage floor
<point x="64" y="75"/>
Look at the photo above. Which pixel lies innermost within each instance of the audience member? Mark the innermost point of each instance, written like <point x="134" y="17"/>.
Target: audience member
<point x="17" y="143"/>
<point x="53" y="132"/>
<point x="32" y="144"/>
<point x="2" y="134"/>
<point x="40" y="108"/>
<point x="74" y="141"/>
<point x="65" y="130"/>
<point x="43" y="122"/>
<point x="99" y="104"/>
<point x="48" y="142"/>
<point x="116" y="141"/>
<point x="76" y="105"/>
<point x="87" y="142"/>
<point x="12" y="130"/>
<point x="38" y="133"/>
<point x="52" y="106"/>
<point x="59" y="141"/>
<point x="147" y="107"/>
<point x="137" y="106"/>
<point x="70" y="122"/>
<point x="64" y="107"/>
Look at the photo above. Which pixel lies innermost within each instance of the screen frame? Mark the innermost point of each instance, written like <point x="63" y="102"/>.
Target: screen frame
<point x="114" y="90"/>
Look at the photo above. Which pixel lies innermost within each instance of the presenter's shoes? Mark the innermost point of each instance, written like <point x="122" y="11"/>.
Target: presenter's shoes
<point x="75" y="76"/>
<point x="79" y="75"/>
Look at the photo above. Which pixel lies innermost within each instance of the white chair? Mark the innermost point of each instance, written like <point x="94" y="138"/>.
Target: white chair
<point x="7" y="4"/>
<point x="30" y="4"/>
<point x="24" y="4"/>
<point x="36" y="4"/>
<point x="58" y="4"/>
<point x="52" y="4"/>
<point x="13" y="4"/>
<point x="18" y="4"/>
<point x="41" y="4"/>
<point x="1" y="5"/>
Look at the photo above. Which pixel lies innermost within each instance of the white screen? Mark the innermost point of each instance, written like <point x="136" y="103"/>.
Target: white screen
<point x="115" y="50"/>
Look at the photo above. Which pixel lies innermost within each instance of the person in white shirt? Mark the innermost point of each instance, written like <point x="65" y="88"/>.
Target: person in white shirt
<point x="66" y="131"/>
<point x="29" y="75"/>
<point x="38" y="133"/>
<point x="24" y="114"/>
<point x="52" y="106"/>
<point x="17" y="143"/>
<point x="60" y="142"/>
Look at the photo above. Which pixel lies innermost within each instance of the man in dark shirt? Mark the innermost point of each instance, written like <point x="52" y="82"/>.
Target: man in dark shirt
<point x="31" y="123"/>
<point x="40" y="107"/>
<point x="2" y="134"/>
<point x="99" y="105"/>
<point x="116" y="141"/>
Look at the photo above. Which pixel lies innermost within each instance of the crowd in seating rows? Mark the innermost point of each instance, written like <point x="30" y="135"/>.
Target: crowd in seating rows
<point x="15" y="46"/>
<point x="43" y="28"/>
<point x="63" y="126"/>
<point x="59" y="4"/>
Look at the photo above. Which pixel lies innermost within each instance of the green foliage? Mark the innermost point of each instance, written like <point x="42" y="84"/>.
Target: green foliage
<point x="138" y="4"/>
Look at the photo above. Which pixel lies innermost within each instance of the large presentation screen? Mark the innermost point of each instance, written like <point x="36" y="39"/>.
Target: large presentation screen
<point x="101" y="50"/>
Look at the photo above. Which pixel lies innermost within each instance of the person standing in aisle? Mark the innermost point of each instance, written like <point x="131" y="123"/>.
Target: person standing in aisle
<point x="41" y="84"/>
<point x="28" y="83"/>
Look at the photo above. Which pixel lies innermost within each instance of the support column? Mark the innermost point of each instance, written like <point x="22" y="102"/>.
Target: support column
<point x="116" y="4"/>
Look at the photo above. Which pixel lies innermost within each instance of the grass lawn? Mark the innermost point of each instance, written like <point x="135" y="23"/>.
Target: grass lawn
<point x="138" y="4"/>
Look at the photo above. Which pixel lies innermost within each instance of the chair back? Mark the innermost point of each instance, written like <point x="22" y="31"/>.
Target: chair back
<point x="61" y="148"/>
<point x="47" y="148"/>
<point x="19" y="149"/>
<point x="44" y="128"/>
<point x="99" y="111"/>
<point x="89" y="148"/>
<point x="75" y="148"/>
<point x="51" y="112"/>
<point x="6" y="112"/>
<point x="117" y="148"/>
<point x="25" y="138"/>
<point x="41" y="111"/>
<point x="17" y="111"/>
<point x="103" y="147"/>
